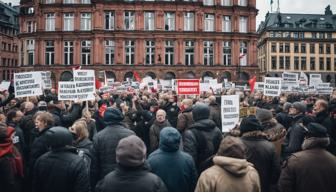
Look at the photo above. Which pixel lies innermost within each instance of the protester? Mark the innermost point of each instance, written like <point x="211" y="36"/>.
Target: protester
<point x="184" y="119"/>
<point x="215" y="111"/>
<point x="154" y="131"/>
<point x="91" y="123"/>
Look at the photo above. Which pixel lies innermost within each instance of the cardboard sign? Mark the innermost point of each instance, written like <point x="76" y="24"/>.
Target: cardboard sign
<point x="4" y="85"/>
<point x="230" y="112"/>
<point x="28" y="84"/>
<point x="272" y="86"/>
<point x="188" y="86"/>
<point x="67" y="91"/>
<point x="85" y="84"/>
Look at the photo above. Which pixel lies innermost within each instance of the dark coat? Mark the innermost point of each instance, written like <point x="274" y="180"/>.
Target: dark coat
<point x="324" y="119"/>
<point x="39" y="147"/>
<point x="154" y="133"/>
<point x="66" y="120"/>
<point x="262" y="154"/>
<point x="310" y="170"/>
<point x="60" y="170"/>
<point x="28" y="125"/>
<point x="172" y="111"/>
<point x="185" y="120"/>
<point x="284" y="119"/>
<point x="178" y="176"/>
<point x="201" y="141"/>
<point x="293" y="141"/>
<point x="141" y="129"/>
<point x="104" y="150"/>
<point x="215" y="114"/>
<point x="131" y="179"/>
<point x="100" y="125"/>
<point x="91" y="126"/>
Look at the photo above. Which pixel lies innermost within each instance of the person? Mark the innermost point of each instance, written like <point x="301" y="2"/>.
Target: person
<point x="27" y="124"/>
<point x="312" y="169"/>
<point x="90" y="122"/>
<point x="184" y="119"/>
<point x="154" y="131"/>
<point x="215" y="111"/>
<point x="231" y="170"/>
<point x="260" y="152"/>
<point x="61" y="169"/>
<point x="171" y="108"/>
<point x="142" y="127"/>
<point x="180" y="175"/>
<point x="105" y="143"/>
<point x="131" y="173"/>
<point x="202" y="139"/>
<point x="66" y="120"/>
<point x="296" y="112"/>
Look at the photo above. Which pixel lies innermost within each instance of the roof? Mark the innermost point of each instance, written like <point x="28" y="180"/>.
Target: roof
<point x="9" y="15"/>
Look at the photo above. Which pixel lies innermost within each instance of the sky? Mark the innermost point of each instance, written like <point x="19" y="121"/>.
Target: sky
<point x="286" y="6"/>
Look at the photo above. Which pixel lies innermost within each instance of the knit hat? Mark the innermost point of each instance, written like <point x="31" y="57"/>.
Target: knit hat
<point x="250" y="123"/>
<point x="316" y="130"/>
<point x="286" y="106"/>
<point x="300" y="106"/>
<point x="170" y="139"/>
<point x="263" y="115"/>
<point x="200" y="111"/>
<point x="112" y="115"/>
<point x="131" y="151"/>
<point x="232" y="147"/>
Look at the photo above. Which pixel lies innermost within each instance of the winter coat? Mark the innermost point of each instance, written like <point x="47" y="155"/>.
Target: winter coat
<point x="91" y="126"/>
<point x="178" y="176"/>
<point x="100" y="125"/>
<point x="19" y="141"/>
<point x="28" y="125"/>
<point x="172" y="111"/>
<point x="68" y="119"/>
<point x="125" y="179"/>
<point x="60" y="170"/>
<point x="39" y="147"/>
<point x="310" y="170"/>
<point x="293" y="141"/>
<point x="229" y="174"/>
<point x="262" y="154"/>
<point x="201" y="141"/>
<point x="215" y="114"/>
<point x="184" y="120"/>
<point x="275" y="133"/>
<point x="324" y="119"/>
<point x="141" y="129"/>
<point x="284" y="119"/>
<point x="104" y="150"/>
<point x="154" y="133"/>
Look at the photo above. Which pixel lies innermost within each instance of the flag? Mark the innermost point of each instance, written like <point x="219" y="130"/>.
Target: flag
<point x="242" y="55"/>
<point x="77" y="67"/>
<point x="136" y="76"/>
<point x="271" y="2"/>
<point x="252" y="83"/>
<point x="98" y="83"/>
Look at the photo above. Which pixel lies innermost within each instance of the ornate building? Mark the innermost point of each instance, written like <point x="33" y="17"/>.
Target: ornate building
<point x="298" y="42"/>
<point x="162" y="39"/>
<point x="9" y="50"/>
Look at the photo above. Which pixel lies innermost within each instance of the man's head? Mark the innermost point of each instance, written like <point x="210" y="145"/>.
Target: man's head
<point x="27" y="106"/>
<point x="44" y="120"/>
<point x="297" y="108"/>
<point x="14" y="115"/>
<point x="320" y="105"/>
<point x="187" y="103"/>
<point x="161" y="115"/>
<point x="131" y="152"/>
<point x="200" y="111"/>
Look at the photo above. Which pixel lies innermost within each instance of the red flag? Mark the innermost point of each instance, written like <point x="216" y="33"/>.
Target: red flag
<point x="98" y="83"/>
<point x="77" y="67"/>
<point x="242" y="55"/>
<point x="252" y="83"/>
<point x="136" y="76"/>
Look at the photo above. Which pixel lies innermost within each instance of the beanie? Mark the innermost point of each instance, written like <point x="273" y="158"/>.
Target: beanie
<point x="300" y="106"/>
<point x="250" y="123"/>
<point x="131" y="151"/>
<point x="263" y="115"/>
<point x="316" y="130"/>
<point x="200" y="111"/>
<point x="112" y="115"/>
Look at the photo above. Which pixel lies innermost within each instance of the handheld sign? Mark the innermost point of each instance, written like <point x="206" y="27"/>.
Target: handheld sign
<point x="272" y="86"/>
<point x="4" y="85"/>
<point x="85" y="84"/>
<point x="188" y="86"/>
<point x="46" y="80"/>
<point x="230" y="112"/>
<point x="67" y="91"/>
<point x="28" y="84"/>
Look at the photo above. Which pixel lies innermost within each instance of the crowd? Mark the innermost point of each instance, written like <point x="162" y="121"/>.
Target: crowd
<point x="159" y="141"/>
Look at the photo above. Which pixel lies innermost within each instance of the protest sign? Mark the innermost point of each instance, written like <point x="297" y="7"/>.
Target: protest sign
<point x="324" y="88"/>
<point x="85" y="84"/>
<point x="67" y="91"/>
<point x="272" y="86"/>
<point x="188" y="86"/>
<point x="46" y="80"/>
<point x="230" y="112"/>
<point x="109" y="82"/>
<point x="4" y="85"/>
<point x="290" y="77"/>
<point x="28" y="84"/>
<point x="259" y="86"/>
<point x="314" y="79"/>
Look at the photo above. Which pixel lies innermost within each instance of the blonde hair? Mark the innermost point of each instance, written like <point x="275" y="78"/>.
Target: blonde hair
<point x="80" y="128"/>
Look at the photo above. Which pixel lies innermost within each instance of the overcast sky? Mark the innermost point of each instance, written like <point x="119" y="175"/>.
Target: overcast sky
<point x="286" y="6"/>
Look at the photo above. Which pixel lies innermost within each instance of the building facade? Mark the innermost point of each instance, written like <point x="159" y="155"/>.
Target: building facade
<point x="162" y="39"/>
<point x="298" y="42"/>
<point x="9" y="50"/>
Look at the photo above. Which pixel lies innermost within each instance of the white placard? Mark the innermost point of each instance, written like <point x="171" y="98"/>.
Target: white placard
<point x="109" y="82"/>
<point x="28" y="84"/>
<point x="230" y="112"/>
<point x="46" y="80"/>
<point x="259" y="86"/>
<point x="4" y="85"/>
<point x="85" y="84"/>
<point x="272" y="86"/>
<point x="67" y="91"/>
<point x="290" y="77"/>
<point x="315" y="79"/>
<point x="166" y="84"/>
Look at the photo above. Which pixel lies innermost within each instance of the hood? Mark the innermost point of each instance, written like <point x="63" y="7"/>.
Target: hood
<point x="204" y="125"/>
<point x="237" y="167"/>
<point x="170" y="139"/>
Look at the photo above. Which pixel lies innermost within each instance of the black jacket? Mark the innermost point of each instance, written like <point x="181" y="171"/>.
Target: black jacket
<point x="262" y="154"/>
<point x="125" y="179"/>
<point x="215" y="114"/>
<point x="104" y="150"/>
<point x="172" y="111"/>
<point x="39" y="147"/>
<point x="66" y="120"/>
<point x="293" y="141"/>
<point x="60" y="170"/>
<point x="28" y="125"/>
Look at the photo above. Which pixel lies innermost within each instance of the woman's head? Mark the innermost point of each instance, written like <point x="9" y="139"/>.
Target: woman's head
<point x="43" y="120"/>
<point x="79" y="130"/>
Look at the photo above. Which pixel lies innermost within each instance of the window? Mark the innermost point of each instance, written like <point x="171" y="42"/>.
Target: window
<point x="296" y="35"/>
<point x="169" y="53"/>
<point x="242" y="3"/>
<point x="189" y="21"/>
<point x="208" y="2"/>
<point x="226" y="25"/>
<point x="85" y="52"/>
<point x="303" y="48"/>
<point x="30" y="51"/>
<point x="243" y="25"/>
<point x="296" y="47"/>
<point x="68" y="22"/>
<point x="243" y="54"/>
<point x="321" y="48"/>
<point x="296" y="63"/>
<point x="129" y="20"/>
<point x="49" y="53"/>
<point x="169" y="21"/>
<point x="189" y="52"/>
<point x="321" y="35"/>
<point x="328" y="63"/>
<point x="85" y="23"/>
<point x="150" y="52"/>
<point x="312" y="48"/>
<point x="314" y="35"/>
<point x="50" y="22"/>
<point x="273" y="48"/>
<point x="287" y="34"/>
<point x="287" y="62"/>
<point x="129" y="52"/>
<point x="303" y="63"/>
<point x="209" y="21"/>
<point x="312" y="63"/>
<point x="321" y="63"/>
<point x="287" y="47"/>
<point x="328" y="51"/>
<point x="68" y="52"/>
<point x="85" y="1"/>
<point x="301" y="34"/>
<point x="281" y="48"/>
<point x="50" y="1"/>
<point x="149" y="21"/>
<point x="227" y="53"/>
<point x="31" y="26"/>
<point x="274" y="62"/>
<point x="329" y="35"/>
<point x="109" y="20"/>
<point x="208" y="52"/>
<point x="68" y="1"/>
<point x="278" y="34"/>
<point x="226" y="2"/>
<point x="109" y="52"/>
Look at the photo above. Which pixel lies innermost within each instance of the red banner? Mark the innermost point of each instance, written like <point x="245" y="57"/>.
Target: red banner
<point x="188" y="86"/>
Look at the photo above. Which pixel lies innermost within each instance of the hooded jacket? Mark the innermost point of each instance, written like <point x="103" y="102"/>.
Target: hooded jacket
<point x="180" y="175"/>
<point x="229" y="174"/>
